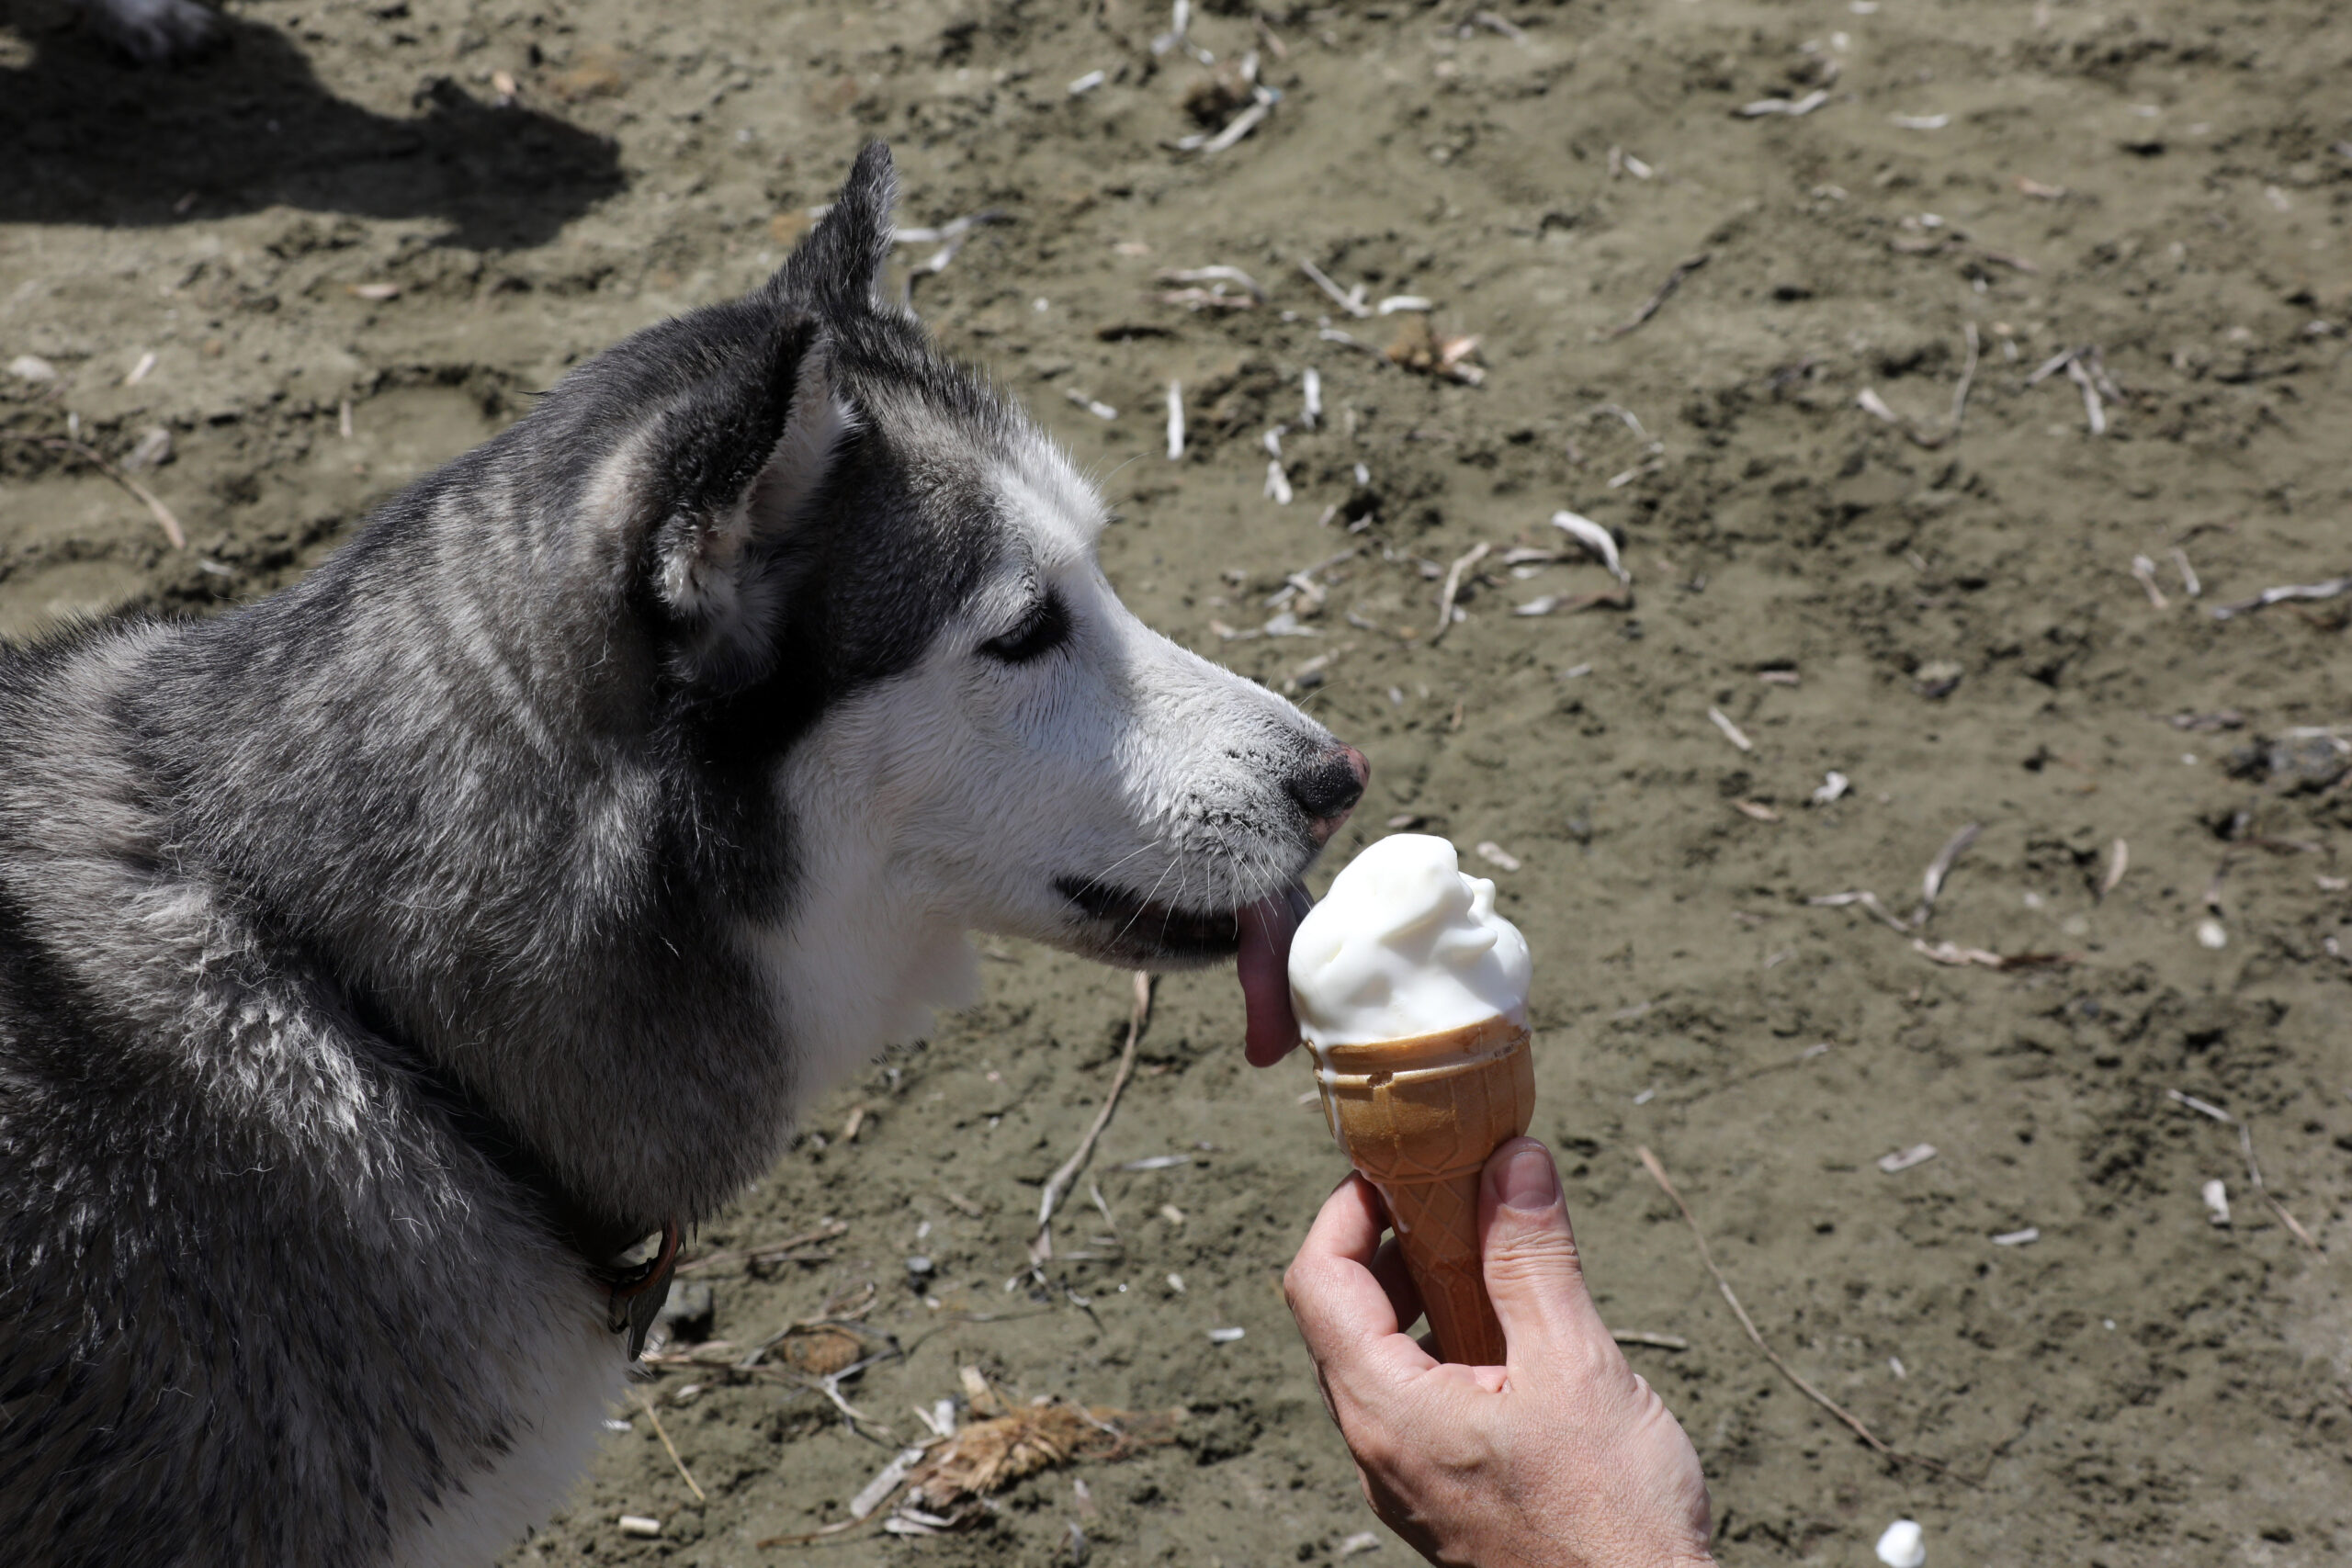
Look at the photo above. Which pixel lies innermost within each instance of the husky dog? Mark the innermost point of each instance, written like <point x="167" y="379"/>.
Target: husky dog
<point x="381" y="963"/>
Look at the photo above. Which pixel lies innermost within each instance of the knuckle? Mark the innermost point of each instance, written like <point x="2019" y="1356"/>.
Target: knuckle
<point x="1546" y="1255"/>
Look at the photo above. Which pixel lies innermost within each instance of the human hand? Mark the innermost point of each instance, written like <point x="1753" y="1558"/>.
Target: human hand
<point x="1565" y="1457"/>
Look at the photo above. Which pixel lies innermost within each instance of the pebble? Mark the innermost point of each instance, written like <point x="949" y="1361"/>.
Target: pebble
<point x="919" y="1265"/>
<point x="1225" y="1336"/>
<point x="2210" y="934"/>
<point x="1902" y="1546"/>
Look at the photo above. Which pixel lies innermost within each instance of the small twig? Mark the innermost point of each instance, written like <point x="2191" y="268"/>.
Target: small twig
<point x="1042" y="1248"/>
<point x="805" y="1536"/>
<point x="2202" y="1107"/>
<point x="1348" y="340"/>
<point x="2052" y="365"/>
<point x="660" y="1431"/>
<point x="145" y="497"/>
<point x="1683" y="269"/>
<point x="1471" y="557"/>
<point x="2094" y="410"/>
<point x="2252" y="1170"/>
<point x="1931" y="883"/>
<point x="771" y="1250"/>
<point x="1494" y="24"/>
<point x="1868" y="901"/>
<point x="1339" y="296"/>
<point x="2187" y="573"/>
<point x="1219" y="274"/>
<point x="2254" y="1175"/>
<point x="830" y="1387"/>
<point x="1240" y="126"/>
<point x="2269" y="596"/>
<point x="1657" y="1174"/>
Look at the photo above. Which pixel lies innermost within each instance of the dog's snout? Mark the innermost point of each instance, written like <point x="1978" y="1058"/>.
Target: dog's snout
<point x="1329" y="788"/>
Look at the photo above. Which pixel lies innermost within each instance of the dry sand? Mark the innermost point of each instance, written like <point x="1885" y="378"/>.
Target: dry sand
<point x="1955" y="628"/>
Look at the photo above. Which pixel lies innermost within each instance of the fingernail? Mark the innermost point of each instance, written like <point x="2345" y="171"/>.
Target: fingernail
<point x="1528" y="1182"/>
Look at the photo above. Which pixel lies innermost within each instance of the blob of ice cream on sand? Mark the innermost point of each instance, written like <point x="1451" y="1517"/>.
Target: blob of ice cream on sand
<point x="1412" y="993"/>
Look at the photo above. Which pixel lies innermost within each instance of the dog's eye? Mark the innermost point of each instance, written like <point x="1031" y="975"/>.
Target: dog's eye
<point x="1043" y="629"/>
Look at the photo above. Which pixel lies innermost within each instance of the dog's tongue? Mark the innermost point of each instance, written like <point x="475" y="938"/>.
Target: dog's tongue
<point x="1264" y="964"/>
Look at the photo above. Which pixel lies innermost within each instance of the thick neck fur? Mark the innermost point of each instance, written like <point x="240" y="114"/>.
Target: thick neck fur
<point x="451" y="769"/>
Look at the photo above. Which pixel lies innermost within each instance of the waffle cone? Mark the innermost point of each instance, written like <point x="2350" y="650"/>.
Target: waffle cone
<point x="1418" y="1119"/>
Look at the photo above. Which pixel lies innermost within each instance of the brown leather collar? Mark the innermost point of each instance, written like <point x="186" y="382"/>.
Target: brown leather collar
<point x="636" y="1295"/>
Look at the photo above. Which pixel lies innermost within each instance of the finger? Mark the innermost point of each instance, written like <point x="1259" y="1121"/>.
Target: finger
<point x="1344" y="1313"/>
<point x="1532" y="1272"/>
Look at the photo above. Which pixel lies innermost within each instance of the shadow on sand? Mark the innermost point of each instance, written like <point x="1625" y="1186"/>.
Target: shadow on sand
<point x="90" y="139"/>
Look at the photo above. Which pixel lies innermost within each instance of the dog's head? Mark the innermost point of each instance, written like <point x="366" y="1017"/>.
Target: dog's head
<point x="874" y="585"/>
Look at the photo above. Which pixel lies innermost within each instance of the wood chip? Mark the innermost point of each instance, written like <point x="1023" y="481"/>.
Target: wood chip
<point x="1903" y="1159"/>
<point x="1595" y="538"/>
<point x="2119" y="860"/>
<point x="989" y="1455"/>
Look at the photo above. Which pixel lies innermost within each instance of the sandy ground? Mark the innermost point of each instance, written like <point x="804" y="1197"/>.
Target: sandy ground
<point x="335" y="214"/>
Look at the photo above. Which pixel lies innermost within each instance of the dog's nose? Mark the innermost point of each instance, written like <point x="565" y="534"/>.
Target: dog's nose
<point x="1329" y="790"/>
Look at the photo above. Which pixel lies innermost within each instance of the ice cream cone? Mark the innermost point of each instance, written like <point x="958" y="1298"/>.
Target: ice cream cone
<point x="1418" y="1119"/>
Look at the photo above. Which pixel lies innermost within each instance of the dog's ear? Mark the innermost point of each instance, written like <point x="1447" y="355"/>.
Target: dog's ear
<point x="739" y="456"/>
<point x="838" y="265"/>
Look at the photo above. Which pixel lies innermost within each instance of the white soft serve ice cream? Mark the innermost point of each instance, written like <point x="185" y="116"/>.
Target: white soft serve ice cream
<point x="1405" y="944"/>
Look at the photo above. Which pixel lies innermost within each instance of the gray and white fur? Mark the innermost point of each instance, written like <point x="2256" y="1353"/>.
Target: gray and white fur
<point x="616" y="787"/>
<point x="153" y="32"/>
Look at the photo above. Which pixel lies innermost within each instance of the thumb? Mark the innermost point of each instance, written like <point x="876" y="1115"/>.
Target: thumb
<point x="1533" y="1275"/>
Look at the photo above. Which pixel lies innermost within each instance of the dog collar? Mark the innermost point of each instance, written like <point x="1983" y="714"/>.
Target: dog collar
<point x="635" y="1297"/>
<point x="635" y="1293"/>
